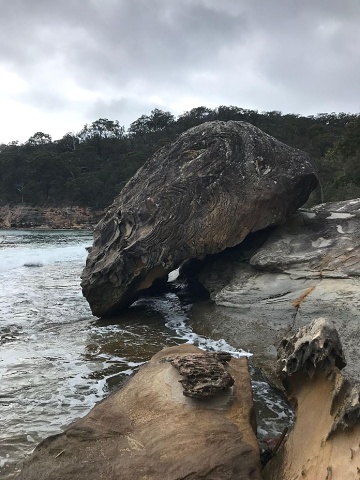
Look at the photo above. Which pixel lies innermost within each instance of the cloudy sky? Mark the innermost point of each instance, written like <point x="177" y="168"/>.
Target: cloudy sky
<point x="64" y="63"/>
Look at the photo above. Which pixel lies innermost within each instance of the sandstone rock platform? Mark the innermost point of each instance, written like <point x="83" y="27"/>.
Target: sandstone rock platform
<point x="307" y="268"/>
<point x="150" y="430"/>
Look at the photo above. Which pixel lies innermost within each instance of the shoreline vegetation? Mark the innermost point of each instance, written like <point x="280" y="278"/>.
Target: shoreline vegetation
<point x="89" y="168"/>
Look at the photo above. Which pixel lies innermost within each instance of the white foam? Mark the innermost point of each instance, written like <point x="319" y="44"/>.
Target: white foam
<point x="321" y="242"/>
<point x="339" y="215"/>
<point x="177" y="321"/>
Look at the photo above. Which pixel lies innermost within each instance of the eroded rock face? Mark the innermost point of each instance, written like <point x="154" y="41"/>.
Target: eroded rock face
<point x="315" y="346"/>
<point x="150" y="430"/>
<point x="324" y="442"/>
<point x="204" y="374"/>
<point x="201" y="194"/>
<point x="306" y="268"/>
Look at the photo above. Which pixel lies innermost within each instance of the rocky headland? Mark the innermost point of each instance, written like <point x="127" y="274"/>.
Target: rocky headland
<point x="43" y="218"/>
<point x="222" y="202"/>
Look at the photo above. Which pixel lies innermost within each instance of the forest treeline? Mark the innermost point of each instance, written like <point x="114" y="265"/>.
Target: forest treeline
<point x="89" y="168"/>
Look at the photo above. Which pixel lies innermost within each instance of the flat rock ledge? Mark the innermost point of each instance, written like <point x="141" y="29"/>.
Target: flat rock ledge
<point x="281" y="279"/>
<point x="205" y="192"/>
<point x="150" y="430"/>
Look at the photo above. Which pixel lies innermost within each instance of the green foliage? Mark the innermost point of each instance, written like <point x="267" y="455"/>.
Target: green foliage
<point x="340" y="166"/>
<point x="90" y="168"/>
<point x="39" y="138"/>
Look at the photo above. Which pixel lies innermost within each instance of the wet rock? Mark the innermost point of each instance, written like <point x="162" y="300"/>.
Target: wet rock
<point x="324" y="442"/>
<point x="205" y="374"/>
<point x="150" y="430"/>
<point x="199" y="195"/>
<point x="306" y="268"/>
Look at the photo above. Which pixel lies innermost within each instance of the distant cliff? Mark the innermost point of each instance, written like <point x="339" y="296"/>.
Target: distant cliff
<point x="24" y="216"/>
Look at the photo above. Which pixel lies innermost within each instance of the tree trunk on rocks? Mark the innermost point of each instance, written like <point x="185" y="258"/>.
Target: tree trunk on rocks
<point x="201" y="194"/>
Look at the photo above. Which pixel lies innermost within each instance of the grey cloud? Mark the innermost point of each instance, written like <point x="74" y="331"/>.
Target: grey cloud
<point x="285" y="55"/>
<point x="119" y="39"/>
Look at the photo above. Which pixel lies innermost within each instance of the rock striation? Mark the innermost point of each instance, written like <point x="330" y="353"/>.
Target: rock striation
<point x="203" y="193"/>
<point x="150" y="430"/>
<point x="324" y="442"/>
<point x="280" y="280"/>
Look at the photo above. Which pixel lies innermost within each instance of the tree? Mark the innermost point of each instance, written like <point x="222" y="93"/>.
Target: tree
<point x="102" y="134"/>
<point x="340" y="168"/>
<point x="68" y="143"/>
<point x="39" y="138"/>
<point x="102" y="129"/>
<point x="157" y="121"/>
<point x="195" y="116"/>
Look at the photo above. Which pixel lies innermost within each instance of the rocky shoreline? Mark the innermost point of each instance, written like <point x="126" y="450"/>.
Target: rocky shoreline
<point x="190" y="414"/>
<point x="281" y="279"/>
<point x="222" y="204"/>
<point x="47" y="218"/>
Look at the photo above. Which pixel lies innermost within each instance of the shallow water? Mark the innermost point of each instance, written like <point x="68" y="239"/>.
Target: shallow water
<point x="57" y="360"/>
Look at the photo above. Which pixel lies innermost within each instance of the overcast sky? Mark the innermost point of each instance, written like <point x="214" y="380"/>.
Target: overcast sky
<point x="64" y="63"/>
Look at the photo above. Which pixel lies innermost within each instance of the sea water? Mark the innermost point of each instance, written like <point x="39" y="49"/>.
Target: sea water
<point x="57" y="360"/>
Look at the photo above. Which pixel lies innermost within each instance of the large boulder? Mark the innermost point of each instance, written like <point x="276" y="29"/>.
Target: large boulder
<point x="150" y="430"/>
<point x="324" y="442"/>
<point x="201" y="194"/>
<point x="306" y="268"/>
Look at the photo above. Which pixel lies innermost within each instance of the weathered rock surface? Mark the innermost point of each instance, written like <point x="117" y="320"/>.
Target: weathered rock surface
<point x="24" y="216"/>
<point x="324" y="442"/>
<point x="150" y="430"/>
<point x="201" y="194"/>
<point x="205" y="374"/>
<point x="306" y="268"/>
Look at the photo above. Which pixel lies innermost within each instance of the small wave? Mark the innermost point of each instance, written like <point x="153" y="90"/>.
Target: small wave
<point x="33" y="264"/>
<point x="9" y="333"/>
